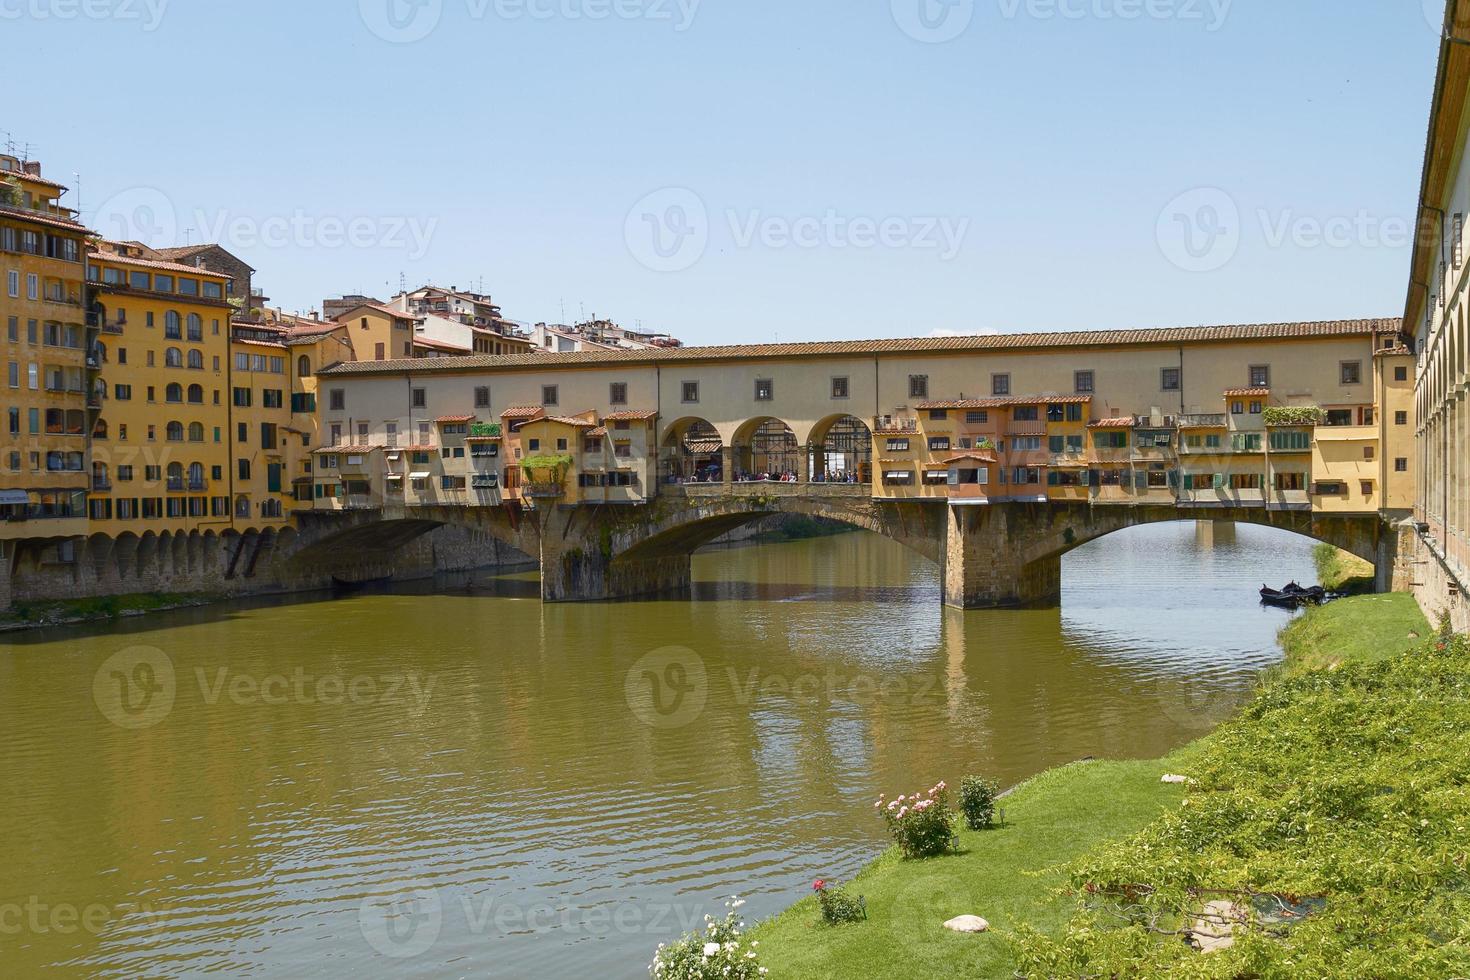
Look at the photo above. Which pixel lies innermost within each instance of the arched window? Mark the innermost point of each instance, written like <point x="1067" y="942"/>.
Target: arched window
<point x="196" y="476"/>
<point x="196" y="431"/>
<point x="196" y="327"/>
<point x="174" y="392"/>
<point x="196" y="394"/>
<point x="171" y="326"/>
<point x="99" y="352"/>
<point x="174" y="432"/>
<point x="196" y="360"/>
<point x="173" y="357"/>
<point x="99" y="430"/>
<point x="303" y="366"/>
<point x="242" y="506"/>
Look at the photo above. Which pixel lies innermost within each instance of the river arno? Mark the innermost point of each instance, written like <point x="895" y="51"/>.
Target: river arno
<point x="471" y="784"/>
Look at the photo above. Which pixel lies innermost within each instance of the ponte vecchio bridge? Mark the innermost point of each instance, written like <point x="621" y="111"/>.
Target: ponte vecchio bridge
<point x="991" y="455"/>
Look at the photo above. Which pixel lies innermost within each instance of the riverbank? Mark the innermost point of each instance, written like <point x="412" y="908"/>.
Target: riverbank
<point x="1342" y="571"/>
<point x="1115" y="835"/>
<point x="69" y="612"/>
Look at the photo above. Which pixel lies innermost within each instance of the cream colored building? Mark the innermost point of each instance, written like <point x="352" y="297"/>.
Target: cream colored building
<point x="1102" y="417"/>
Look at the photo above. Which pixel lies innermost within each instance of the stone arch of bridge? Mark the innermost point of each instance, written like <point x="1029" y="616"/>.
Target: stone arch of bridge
<point x="680" y="531"/>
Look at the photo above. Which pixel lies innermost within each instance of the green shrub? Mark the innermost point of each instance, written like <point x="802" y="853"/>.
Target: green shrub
<point x="720" y="952"/>
<point x="977" y="801"/>
<point x="838" y="906"/>
<point x="922" y="825"/>
<point x="1332" y="812"/>
<point x="1294" y="415"/>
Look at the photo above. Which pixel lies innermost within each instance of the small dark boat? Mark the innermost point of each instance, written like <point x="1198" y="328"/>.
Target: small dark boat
<point x="1293" y="596"/>
<point x="1283" y="599"/>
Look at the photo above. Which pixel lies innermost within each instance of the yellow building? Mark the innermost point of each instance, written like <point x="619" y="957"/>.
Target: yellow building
<point x="262" y="445"/>
<point x="50" y="354"/>
<point x="161" y="457"/>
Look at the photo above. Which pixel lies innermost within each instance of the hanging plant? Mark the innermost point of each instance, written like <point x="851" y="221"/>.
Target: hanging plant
<point x="1295" y="415"/>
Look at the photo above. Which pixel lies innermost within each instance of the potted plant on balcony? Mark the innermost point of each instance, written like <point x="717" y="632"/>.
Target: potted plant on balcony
<point x="1304" y="415"/>
<point x="545" y="475"/>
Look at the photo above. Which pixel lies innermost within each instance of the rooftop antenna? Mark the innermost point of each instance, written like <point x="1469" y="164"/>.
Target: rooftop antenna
<point x="9" y="143"/>
<point x="77" y="183"/>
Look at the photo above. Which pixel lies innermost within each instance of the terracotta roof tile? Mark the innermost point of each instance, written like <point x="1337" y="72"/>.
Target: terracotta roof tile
<point x="984" y="455"/>
<point x="629" y="416"/>
<point x="344" y="450"/>
<point x="155" y="264"/>
<point x="922" y="345"/>
<point x="568" y="420"/>
<point x="522" y="412"/>
<point x="453" y="418"/>
<point x="1121" y="423"/>
<point x="1247" y="392"/>
<point x="601" y="430"/>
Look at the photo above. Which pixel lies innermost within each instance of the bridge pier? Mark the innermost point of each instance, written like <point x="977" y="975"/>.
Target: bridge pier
<point x="586" y="574"/>
<point x="985" y="566"/>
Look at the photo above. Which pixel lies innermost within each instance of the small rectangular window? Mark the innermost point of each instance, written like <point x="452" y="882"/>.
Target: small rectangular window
<point x="1400" y="418"/>
<point x="1401" y="464"/>
<point x="548" y="394"/>
<point x="337" y="399"/>
<point x="1082" y="382"/>
<point x="839" y="387"/>
<point x="1260" y="376"/>
<point x="690" y="392"/>
<point x="420" y="398"/>
<point x="765" y="389"/>
<point x="1169" y="379"/>
<point x="1000" y="384"/>
<point x="482" y="397"/>
<point x="918" y="386"/>
<point x="1401" y="374"/>
<point x="1350" y="372"/>
<point x="617" y="393"/>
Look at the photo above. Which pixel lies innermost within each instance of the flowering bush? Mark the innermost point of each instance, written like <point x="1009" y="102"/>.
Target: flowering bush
<point x="922" y="825"/>
<point x="977" y="801"/>
<point x="719" y="951"/>
<point x="838" y="906"/>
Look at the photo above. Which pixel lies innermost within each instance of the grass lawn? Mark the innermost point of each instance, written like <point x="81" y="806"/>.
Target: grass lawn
<point x="1012" y="876"/>
<point x="1001" y="875"/>
<point x="1363" y="629"/>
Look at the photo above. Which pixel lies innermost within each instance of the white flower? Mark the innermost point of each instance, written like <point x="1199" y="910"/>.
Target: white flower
<point x="711" y="949"/>
<point x="738" y="902"/>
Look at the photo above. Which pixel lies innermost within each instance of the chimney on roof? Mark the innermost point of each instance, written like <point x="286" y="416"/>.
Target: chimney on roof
<point x="33" y="167"/>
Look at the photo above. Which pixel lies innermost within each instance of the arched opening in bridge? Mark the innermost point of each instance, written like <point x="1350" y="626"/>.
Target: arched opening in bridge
<point x="692" y="452"/>
<point x="766" y="449"/>
<point x="841" y="451"/>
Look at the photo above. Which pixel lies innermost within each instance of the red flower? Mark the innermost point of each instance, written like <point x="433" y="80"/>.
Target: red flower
<point x="818" y="885"/>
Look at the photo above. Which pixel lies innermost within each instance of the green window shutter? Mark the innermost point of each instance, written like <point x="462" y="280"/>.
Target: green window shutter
<point x="1219" y="481"/>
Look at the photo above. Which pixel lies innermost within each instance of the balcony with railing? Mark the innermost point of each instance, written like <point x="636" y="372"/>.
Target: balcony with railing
<point x="891" y="425"/>
<point x="1209" y="420"/>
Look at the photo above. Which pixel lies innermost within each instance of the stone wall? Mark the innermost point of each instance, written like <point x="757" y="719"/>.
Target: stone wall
<point x="235" y="565"/>
<point x="1438" y="587"/>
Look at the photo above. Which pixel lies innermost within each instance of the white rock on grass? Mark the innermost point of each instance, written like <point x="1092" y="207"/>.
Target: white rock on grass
<point x="1172" y="778"/>
<point x="967" y="923"/>
<point x="1215" y="928"/>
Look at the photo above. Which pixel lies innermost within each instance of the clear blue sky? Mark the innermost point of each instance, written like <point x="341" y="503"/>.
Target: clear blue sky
<point x="522" y="135"/>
